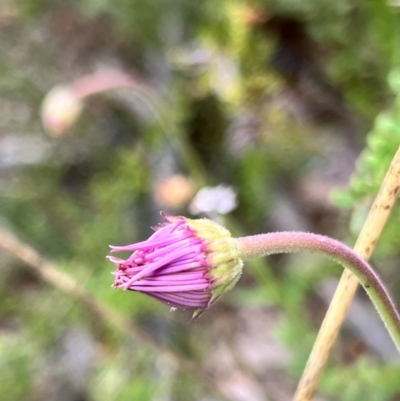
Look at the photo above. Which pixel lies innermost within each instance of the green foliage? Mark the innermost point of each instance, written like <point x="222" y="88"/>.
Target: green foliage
<point x="16" y="367"/>
<point x="147" y="22"/>
<point x="359" y="381"/>
<point x="383" y="142"/>
<point x="114" y="382"/>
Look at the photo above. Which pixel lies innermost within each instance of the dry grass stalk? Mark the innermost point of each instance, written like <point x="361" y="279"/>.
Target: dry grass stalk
<point x="348" y="284"/>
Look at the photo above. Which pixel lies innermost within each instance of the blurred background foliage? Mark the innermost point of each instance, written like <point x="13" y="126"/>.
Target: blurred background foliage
<point x="293" y="105"/>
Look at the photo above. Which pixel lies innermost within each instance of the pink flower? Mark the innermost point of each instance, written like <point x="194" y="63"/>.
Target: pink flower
<point x="186" y="264"/>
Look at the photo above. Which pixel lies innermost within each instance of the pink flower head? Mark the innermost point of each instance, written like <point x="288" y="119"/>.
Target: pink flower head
<point x="186" y="264"/>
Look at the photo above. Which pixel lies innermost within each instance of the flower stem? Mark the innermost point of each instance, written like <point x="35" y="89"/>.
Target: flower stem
<point x="287" y="242"/>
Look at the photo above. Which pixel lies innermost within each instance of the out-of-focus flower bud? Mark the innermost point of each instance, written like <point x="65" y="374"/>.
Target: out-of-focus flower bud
<point x="61" y="108"/>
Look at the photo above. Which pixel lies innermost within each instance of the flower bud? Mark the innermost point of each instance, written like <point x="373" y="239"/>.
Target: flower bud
<point x="60" y="110"/>
<point x="186" y="264"/>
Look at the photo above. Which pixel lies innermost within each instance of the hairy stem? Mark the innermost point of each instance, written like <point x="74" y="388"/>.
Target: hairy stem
<point x="286" y="242"/>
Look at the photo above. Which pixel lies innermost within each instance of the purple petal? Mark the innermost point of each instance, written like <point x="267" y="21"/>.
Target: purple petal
<point x="169" y="288"/>
<point x="181" y="302"/>
<point x="149" y="243"/>
<point x="179" y="277"/>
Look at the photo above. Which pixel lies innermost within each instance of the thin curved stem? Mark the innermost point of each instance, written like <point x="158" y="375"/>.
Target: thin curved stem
<point x="105" y="80"/>
<point x="287" y="242"/>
